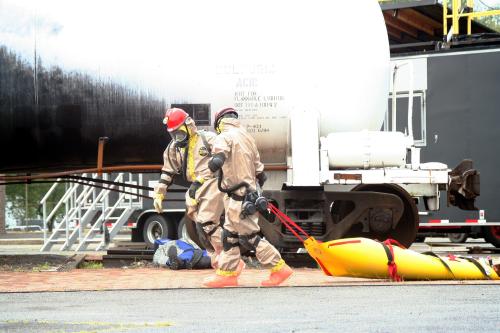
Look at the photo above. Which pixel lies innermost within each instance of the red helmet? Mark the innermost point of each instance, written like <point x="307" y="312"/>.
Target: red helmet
<point x="223" y="112"/>
<point x="174" y="118"/>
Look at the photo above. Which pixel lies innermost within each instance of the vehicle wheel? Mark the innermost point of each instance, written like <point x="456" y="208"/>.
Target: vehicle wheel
<point x="406" y="229"/>
<point x="157" y="227"/>
<point x="492" y="235"/>
<point x="458" y="237"/>
<point x="182" y="231"/>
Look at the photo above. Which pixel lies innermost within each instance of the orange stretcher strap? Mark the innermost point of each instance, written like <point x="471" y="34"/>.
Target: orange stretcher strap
<point x="392" y="268"/>
<point x="288" y="222"/>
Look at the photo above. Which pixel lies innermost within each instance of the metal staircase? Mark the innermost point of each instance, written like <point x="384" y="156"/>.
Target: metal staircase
<point x="88" y="212"/>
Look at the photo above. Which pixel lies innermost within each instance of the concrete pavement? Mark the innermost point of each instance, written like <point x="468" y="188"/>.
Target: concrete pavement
<point x="394" y="308"/>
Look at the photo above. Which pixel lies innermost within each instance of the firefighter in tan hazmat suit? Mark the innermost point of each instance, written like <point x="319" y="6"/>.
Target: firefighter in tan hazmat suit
<point x="188" y="153"/>
<point x="235" y="154"/>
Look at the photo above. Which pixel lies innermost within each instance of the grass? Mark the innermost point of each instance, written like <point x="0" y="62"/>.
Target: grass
<point x="91" y="265"/>
<point x="42" y="267"/>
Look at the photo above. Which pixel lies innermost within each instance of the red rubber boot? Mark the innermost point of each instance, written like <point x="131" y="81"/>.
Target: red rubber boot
<point x="221" y="281"/>
<point x="279" y="276"/>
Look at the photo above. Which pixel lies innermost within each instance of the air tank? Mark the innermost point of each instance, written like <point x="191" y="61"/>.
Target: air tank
<point x="366" y="149"/>
<point x="265" y="58"/>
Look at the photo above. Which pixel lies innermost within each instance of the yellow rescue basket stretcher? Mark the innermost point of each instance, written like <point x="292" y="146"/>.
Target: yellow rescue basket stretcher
<point x="367" y="258"/>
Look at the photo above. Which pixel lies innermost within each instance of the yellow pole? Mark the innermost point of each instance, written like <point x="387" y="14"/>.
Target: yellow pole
<point x="454" y="9"/>
<point x="485" y="13"/>
<point x="470" y="4"/>
<point x="445" y="17"/>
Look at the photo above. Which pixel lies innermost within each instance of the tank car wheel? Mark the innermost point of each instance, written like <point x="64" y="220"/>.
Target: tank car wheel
<point x="492" y="235"/>
<point x="407" y="226"/>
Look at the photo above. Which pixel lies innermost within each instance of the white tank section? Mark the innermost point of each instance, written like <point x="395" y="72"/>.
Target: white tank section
<point x="303" y="60"/>
<point x="366" y="149"/>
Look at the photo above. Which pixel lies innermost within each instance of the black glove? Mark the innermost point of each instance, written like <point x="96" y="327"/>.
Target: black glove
<point x="261" y="178"/>
<point x="216" y="162"/>
<point x="193" y="188"/>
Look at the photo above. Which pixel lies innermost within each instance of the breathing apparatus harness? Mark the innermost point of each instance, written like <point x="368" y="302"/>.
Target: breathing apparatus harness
<point x="252" y="201"/>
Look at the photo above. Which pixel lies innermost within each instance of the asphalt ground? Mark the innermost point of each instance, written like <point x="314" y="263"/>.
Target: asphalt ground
<point x="394" y="308"/>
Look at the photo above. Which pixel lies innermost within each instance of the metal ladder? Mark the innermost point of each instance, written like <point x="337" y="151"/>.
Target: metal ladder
<point x="84" y="206"/>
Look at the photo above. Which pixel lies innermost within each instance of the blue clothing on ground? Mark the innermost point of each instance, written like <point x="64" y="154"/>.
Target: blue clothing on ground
<point x="185" y="250"/>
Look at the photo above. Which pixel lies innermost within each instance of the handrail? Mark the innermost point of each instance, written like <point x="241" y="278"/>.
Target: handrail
<point x="63" y="200"/>
<point x="394" y="101"/>
<point x="44" y="208"/>
<point x="102" y="195"/>
<point x="410" y="98"/>
<point x="49" y="192"/>
<point x="75" y="199"/>
<point x="107" y="211"/>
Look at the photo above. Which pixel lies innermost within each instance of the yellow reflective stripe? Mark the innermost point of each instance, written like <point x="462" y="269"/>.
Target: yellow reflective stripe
<point x="278" y="266"/>
<point x="190" y="163"/>
<point x="200" y="179"/>
<point x="225" y="273"/>
<point x="220" y="127"/>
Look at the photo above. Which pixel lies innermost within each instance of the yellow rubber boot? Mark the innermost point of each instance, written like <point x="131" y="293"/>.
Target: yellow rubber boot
<point x="221" y="281"/>
<point x="279" y="274"/>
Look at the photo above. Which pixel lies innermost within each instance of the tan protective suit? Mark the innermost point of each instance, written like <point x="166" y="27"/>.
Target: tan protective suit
<point x="242" y="164"/>
<point x="207" y="206"/>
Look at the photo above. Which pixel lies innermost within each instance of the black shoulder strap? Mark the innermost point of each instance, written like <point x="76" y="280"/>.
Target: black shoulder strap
<point x="478" y="265"/>
<point x="170" y="147"/>
<point x="432" y="254"/>
<point x="205" y="142"/>
<point x="390" y="257"/>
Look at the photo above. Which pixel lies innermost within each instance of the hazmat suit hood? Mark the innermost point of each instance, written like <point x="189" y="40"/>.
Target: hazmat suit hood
<point x="227" y="123"/>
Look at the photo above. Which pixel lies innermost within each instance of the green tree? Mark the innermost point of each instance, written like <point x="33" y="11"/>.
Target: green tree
<point x="492" y="22"/>
<point x="23" y="200"/>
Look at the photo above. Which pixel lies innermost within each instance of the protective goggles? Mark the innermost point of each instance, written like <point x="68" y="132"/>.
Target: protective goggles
<point x="180" y="134"/>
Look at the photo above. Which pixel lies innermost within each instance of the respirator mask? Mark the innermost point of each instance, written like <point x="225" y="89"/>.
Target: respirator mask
<point x="180" y="136"/>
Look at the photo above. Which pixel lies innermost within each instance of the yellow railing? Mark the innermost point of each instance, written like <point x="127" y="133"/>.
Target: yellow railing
<point x="457" y="13"/>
